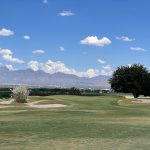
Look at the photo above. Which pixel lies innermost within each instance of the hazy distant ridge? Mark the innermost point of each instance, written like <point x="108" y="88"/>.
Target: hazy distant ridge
<point x="41" y="78"/>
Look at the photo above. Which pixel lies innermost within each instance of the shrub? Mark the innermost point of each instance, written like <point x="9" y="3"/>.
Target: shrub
<point x="20" y="94"/>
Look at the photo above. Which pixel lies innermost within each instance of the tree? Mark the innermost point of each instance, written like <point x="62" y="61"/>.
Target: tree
<point x="20" y="94"/>
<point x="74" y="91"/>
<point x="133" y="79"/>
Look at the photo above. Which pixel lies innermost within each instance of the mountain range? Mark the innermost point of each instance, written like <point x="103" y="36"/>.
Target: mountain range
<point x="42" y="79"/>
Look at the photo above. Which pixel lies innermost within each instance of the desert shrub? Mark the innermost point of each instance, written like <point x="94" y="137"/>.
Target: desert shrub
<point x="20" y="94"/>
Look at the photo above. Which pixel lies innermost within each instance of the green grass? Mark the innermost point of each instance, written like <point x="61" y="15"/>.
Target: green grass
<point x="87" y="123"/>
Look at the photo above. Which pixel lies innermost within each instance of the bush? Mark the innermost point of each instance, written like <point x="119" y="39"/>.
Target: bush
<point x="20" y="94"/>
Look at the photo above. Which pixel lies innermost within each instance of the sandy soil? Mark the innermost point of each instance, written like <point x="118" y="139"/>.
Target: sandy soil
<point x="140" y="100"/>
<point x="36" y="105"/>
<point x="46" y="105"/>
<point x="7" y="103"/>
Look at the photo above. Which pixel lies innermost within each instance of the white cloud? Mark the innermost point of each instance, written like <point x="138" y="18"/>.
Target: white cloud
<point x="94" y="41"/>
<point x="39" y="51"/>
<point x="6" y="32"/>
<point x="101" y="61"/>
<point x="9" y="58"/>
<point x="125" y="39"/>
<point x="106" y="72"/>
<point x="89" y="73"/>
<point x="107" y="67"/>
<point x="26" y="37"/>
<point x="137" y="49"/>
<point x="10" y="67"/>
<point x="34" y="65"/>
<point x="57" y="66"/>
<point x="66" y="13"/>
<point x="61" y="48"/>
<point x="45" y="1"/>
<point x="5" y="52"/>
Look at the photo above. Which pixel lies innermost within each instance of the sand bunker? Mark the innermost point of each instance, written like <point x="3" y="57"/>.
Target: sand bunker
<point x="46" y="105"/>
<point x="141" y="101"/>
<point x="7" y="103"/>
<point x="38" y="105"/>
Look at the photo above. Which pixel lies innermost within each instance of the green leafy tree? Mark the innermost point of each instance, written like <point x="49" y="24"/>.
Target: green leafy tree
<point x="74" y="91"/>
<point x="133" y="79"/>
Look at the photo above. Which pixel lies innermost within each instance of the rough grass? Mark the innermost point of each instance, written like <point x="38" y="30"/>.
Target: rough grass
<point x="87" y="123"/>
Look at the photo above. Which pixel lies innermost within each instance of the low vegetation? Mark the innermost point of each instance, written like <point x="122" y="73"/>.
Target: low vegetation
<point x="7" y="92"/>
<point x="87" y="123"/>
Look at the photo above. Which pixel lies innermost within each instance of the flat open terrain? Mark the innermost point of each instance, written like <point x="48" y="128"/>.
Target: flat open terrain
<point x="86" y="123"/>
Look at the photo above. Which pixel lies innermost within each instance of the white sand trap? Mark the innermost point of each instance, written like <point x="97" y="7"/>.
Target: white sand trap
<point x="141" y="101"/>
<point x="46" y="105"/>
<point x="7" y="103"/>
<point x="37" y="105"/>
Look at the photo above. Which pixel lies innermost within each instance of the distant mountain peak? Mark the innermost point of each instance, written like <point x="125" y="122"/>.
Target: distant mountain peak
<point x="59" y="79"/>
<point x="4" y="68"/>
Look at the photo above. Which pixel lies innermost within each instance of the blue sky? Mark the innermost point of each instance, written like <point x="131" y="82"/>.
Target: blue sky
<point x="85" y="38"/>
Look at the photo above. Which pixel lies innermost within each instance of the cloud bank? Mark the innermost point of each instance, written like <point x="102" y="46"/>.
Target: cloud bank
<point x="7" y="56"/>
<point x="57" y="66"/>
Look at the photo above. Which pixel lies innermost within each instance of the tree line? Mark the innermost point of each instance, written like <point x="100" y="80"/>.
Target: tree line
<point x="7" y="92"/>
